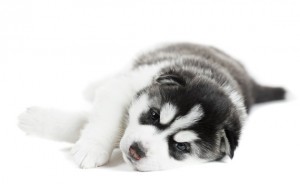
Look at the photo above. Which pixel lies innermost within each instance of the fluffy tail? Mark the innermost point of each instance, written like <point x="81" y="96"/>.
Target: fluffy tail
<point x="266" y="94"/>
<point x="53" y="124"/>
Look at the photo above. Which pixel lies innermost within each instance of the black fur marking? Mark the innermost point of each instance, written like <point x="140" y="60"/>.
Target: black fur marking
<point x="218" y="112"/>
<point x="196" y="76"/>
<point x="146" y="119"/>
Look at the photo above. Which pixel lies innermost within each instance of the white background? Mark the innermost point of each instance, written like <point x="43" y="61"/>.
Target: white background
<point x="51" y="49"/>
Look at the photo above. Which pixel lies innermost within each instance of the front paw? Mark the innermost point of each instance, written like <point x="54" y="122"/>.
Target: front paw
<point x="89" y="155"/>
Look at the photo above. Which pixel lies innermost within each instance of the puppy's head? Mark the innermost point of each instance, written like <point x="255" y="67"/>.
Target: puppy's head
<point x="176" y="121"/>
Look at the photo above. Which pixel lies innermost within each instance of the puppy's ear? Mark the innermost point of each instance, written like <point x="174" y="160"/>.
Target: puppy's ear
<point x="229" y="141"/>
<point x="170" y="80"/>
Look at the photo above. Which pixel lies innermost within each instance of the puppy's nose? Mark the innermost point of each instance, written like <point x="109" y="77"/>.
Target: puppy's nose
<point x="136" y="151"/>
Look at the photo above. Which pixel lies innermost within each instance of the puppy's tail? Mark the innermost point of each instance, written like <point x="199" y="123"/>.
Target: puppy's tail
<point x="53" y="124"/>
<point x="266" y="94"/>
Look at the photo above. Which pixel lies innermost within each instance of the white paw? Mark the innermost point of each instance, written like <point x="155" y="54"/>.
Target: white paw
<point x="89" y="155"/>
<point x="30" y="121"/>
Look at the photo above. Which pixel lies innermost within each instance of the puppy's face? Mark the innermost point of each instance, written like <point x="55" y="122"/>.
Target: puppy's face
<point x="174" y="122"/>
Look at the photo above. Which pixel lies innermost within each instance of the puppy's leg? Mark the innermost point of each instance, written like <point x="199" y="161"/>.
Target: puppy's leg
<point x="52" y="123"/>
<point x="101" y="134"/>
<point x="111" y="100"/>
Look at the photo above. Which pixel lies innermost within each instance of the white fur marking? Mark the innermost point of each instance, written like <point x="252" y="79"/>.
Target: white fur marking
<point x="185" y="136"/>
<point x="195" y="114"/>
<point x="237" y="99"/>
<point x="167" y="113"/>
<point x="139" y="106"/>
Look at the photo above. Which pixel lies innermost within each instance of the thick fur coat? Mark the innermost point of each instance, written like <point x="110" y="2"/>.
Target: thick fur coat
<point x="179" y="103"/>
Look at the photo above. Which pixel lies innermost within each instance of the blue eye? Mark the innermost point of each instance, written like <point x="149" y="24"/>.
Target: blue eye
<point x="182" y="146"/>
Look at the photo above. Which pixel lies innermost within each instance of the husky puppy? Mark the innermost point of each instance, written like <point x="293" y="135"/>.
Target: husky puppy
<point x="178" y="104"/>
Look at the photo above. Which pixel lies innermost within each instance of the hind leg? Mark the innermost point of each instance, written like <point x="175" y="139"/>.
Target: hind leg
<point x="51" y="123"/>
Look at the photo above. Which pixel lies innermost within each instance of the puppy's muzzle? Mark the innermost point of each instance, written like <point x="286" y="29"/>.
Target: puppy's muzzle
<point x="137" y="151"/>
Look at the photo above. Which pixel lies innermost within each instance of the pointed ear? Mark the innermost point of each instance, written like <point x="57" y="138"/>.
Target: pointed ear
<point x="170" y="80"/>
<point x="229" y="142"/>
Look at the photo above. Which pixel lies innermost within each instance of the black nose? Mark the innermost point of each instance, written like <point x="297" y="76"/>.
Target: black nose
<point x="136" y="151"/>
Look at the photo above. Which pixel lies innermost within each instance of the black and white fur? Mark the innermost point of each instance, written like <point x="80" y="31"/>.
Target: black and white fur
<point x="178" y="104"/>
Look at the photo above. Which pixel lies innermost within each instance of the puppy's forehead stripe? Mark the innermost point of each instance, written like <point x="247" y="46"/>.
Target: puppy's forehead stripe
<point x="167" y="113"/>
<point x="185" y="136"/>
<point x="194" y="115"/>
